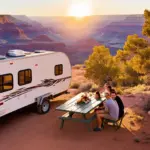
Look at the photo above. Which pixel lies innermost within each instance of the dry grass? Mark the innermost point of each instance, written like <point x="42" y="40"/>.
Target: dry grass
<point x="78" y="76"/>
<point x="63" y="97"/>
<point x="137" y="89"/>
<point x="119" y="90"/>
<point x="132" y="121"/>
<point x="75" y="86"/>
<point x="94" y="88"/>
<point x="85" y="87"/>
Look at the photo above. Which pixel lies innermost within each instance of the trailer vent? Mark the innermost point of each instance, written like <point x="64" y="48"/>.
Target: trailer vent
<point x="40" y="51"/>
<point x="2" y="57"/>
<point x="15" y="53"/>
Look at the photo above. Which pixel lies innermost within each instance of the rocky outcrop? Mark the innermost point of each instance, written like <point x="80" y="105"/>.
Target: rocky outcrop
<point x="42" y="38"/>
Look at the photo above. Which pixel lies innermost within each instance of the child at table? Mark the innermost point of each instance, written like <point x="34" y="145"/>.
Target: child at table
<point x="97" y="96"/>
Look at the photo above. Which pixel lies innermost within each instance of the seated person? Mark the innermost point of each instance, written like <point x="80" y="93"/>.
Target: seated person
<point x="111" y="112"/>
<point x="98" y="97"/>
<point x="119" y="102"/>
<point x="107" y="89"/>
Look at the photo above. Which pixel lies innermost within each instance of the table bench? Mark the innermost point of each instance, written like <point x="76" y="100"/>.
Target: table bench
<point x="67" y="116"/>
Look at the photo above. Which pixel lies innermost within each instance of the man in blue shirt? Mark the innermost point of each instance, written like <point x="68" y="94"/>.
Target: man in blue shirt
<point x="119" y="102"/>
<point x="111" y="111"/>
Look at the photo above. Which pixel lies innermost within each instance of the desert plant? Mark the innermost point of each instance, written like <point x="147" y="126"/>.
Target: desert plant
<point x="139" y="119"/>
<point x="119" y="90"/>
<point x="137" y="89"/>
<point x="94" y="88"/>
<point x="147" y="79"/>
<point x="146" y="26"/>
<point x="85" y="87"/>
<point x="100" y="65"/>
<point x="75" y="85"/>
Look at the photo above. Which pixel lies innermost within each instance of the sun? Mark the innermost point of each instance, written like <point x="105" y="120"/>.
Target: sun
<point x="80" y="10"/>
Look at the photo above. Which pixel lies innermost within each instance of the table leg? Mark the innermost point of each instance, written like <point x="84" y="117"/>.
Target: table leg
<point x="63" y="121"/>
<point x="70" y="114"/>
<point x="84" y="116"/>
<point x="62" y="124"/>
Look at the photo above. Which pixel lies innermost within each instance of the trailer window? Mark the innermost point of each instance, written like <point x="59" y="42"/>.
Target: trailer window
<point x="24" y="77"/>
<point x="6" y="82"/>
<point x="58" y="70"/>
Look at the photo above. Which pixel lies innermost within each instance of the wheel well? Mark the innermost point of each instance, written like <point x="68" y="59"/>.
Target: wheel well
<point x="40" y="99"/>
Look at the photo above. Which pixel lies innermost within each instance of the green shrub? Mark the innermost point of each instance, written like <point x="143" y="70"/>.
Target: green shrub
<point x="75" y="85"/>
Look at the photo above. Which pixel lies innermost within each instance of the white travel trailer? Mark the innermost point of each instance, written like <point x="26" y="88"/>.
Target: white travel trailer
<point x="32" y="77"/>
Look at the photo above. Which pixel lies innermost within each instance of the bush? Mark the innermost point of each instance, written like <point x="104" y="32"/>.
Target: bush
<point x="119" y="90"/>
<point x="94" y="88"/>
<point x="147" y="79"/>
<point x="100" y="65"/>
<point x="75" y="86"/>
<point x="137" y="89"/>
<point x="85" y="87"/>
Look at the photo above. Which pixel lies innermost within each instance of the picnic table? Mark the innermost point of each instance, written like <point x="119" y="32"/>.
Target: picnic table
<point x="71" y="107"/>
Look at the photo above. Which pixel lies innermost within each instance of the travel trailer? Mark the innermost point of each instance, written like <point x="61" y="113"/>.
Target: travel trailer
<point x="32" y="77"/>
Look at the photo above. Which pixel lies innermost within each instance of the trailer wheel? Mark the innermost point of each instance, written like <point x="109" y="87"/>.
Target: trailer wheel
<point x="44" y="107"/>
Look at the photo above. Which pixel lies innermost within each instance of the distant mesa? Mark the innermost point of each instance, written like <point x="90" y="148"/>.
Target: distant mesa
<point x="26" y="21"/>
<point x="4" y="19"/>
<point x="87" y="42"/>
<point x="7" y="19"/>
<point x="9" y="29"/>
<point x="42" y="38"/>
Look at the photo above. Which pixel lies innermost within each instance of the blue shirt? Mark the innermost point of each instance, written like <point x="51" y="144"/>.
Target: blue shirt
<point x="112" y="108"/>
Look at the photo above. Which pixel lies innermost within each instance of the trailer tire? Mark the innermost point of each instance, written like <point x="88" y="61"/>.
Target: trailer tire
<point x="44" y="107"/>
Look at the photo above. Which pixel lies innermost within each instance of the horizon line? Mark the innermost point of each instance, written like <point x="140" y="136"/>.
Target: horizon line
<point x="72" y="16"/>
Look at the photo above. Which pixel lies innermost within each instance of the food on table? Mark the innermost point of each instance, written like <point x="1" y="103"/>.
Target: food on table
<point x="83" y="99"/>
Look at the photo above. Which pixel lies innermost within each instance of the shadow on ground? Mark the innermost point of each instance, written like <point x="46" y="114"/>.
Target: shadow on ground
<point x="26" y="130"/>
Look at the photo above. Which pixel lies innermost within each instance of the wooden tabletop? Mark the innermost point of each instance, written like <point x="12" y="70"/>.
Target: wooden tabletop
<point x="72" y="106"/>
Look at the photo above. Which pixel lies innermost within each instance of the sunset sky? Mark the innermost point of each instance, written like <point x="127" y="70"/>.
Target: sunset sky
<point x="72" y="7"/>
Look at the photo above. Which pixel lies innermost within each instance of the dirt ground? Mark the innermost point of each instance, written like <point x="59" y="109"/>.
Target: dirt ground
<point x="26" y="130"/>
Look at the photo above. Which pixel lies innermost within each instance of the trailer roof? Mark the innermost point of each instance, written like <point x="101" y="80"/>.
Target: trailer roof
<point x="27" y="55"/>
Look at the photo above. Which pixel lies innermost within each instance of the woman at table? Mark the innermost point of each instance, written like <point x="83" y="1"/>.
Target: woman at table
<point x="98" y="97"/>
